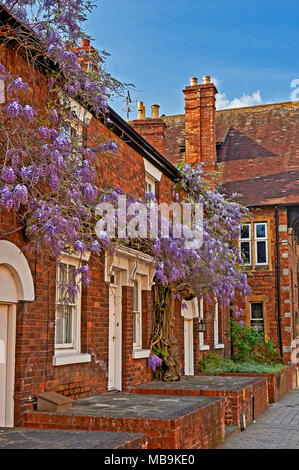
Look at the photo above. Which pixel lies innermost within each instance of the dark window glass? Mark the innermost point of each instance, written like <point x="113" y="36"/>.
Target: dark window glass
<point x="245" y="251"/>
<point x="260" y="230"/>
<point x="245" y="231"/>
<point x="257" y="316"/>
<point x="261" y="252"/>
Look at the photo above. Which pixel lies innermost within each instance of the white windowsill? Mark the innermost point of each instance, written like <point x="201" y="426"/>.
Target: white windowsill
<point x="68" y="357"/>
<point x="140" y="353"/>
<point x="218" y="346"/>
<point x="204" y="347"/>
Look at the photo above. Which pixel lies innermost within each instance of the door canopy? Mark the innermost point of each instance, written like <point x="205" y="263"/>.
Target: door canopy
<point x="16" y="282"/>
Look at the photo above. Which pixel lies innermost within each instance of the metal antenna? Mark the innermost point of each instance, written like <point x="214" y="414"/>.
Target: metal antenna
<point x="129" y="105"/>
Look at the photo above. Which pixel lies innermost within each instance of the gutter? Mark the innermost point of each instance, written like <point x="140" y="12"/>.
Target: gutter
<point x="278" y="281"/>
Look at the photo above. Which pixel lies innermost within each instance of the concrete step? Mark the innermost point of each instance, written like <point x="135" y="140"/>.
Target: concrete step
<point x="230" y="432"/>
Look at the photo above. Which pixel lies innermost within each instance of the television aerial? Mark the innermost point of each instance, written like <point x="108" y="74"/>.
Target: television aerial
<point x="129" y="105"/>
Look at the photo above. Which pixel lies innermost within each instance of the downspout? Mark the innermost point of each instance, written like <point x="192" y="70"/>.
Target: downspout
<point x="278" y="281"/>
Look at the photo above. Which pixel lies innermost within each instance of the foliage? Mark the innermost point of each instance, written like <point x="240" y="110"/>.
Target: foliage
<point x="209" y="367"/>
<point x="248" y="344"/>
<point x="210" y="361"/>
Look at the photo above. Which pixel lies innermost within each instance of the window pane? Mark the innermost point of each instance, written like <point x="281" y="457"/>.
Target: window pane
<point x="68" y="324"/>
<point x="245" y="231"/>
<point x="260" y="230"/>
<point x="257" y="310"/>
<point x="135" y="297"/>
<point x="59" y="325"/>
<point x="258" y="325"/>
<point x="261" y="252"/>
<point x="245" y="251"/>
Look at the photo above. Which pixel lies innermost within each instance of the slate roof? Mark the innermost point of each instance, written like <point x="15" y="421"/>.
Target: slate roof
<point x="257" y="151"/>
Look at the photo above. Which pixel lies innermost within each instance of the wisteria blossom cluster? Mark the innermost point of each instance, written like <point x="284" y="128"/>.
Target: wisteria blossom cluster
<point x="57" y="32"/>
<point x="48" y="176"/>
<point x="154" y="362"/>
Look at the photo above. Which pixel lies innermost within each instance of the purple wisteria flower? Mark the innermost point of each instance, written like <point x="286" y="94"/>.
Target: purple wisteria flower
<point x="154" y="362"/>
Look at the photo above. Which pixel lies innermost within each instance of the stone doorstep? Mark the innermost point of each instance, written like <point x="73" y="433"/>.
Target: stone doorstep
<point x="52" y="401"/>
<point x="235" y="389"/>
<point x="176" y="415"/>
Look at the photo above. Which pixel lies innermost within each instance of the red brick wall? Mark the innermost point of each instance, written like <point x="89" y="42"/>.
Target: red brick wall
<point x="35" y="321"/>
<point x="201" y="429"/>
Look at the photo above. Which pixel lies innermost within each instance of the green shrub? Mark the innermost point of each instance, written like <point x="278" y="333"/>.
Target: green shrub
<point x="250" y="345"/>
<point x="209" y="363"/>
<point x="211" y="367"/>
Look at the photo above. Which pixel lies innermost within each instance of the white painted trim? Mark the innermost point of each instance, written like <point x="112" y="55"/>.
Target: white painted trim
<point x="140" y="353"/>
<point x="70" y="358"/>
<point x="12" y="257"/>
<point x="130" y="263"/>
<point x="152" y="170"/>
<point x="191" y="310"/>
<point x="204" y="347"/>
<point x="188" y="347"/>
<point x="218" y="346"/>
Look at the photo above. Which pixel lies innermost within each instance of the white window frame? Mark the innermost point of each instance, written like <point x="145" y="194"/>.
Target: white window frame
<point x="150" y="181"/>
<point x="217" y="345"/>
<point x="137" y="324"/>
<point x="247" y="240"/>
<point x="202" y="345"/>
<point x="69" y="353"/>
<point x="261" y="239"/>
<point x="252" y="320"/>
<point x="2" y="92"/>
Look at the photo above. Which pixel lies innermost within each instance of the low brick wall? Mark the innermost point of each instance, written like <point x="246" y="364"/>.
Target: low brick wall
<point x="251" y="400"/>
<point x="139" y="442"/>
<point x="203" y="428"/>
<point x="279" y="383"/>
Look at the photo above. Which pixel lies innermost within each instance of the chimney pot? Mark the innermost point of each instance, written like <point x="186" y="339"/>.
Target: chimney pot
<point x="193" y="81"/>
<point x="206" y="79"/>
<point x="141" y="110"/>
<point x="85" y="42"/>
<point x="155" y="111"/>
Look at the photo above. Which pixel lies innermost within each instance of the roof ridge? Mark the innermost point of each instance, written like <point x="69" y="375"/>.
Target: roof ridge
<point x="280" y="103"/>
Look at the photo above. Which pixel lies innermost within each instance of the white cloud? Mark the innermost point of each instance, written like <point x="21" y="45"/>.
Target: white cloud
<point x="222" y="102"/>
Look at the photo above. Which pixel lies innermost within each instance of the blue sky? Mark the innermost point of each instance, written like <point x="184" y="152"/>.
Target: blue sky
<point x="250" y="47"/>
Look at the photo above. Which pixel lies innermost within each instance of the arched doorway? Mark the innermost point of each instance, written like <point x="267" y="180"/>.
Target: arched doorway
<point x="16" y="284"/>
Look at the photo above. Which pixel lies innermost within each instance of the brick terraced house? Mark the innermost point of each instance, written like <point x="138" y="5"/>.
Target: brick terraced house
<point x="254" y="152"/>
<point x="105" y="349"/>
<point x="97" y="346"/>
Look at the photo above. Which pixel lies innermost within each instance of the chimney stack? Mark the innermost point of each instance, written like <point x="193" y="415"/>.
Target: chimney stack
<point x="152" y="129"/>
<point x="200" y="123"/>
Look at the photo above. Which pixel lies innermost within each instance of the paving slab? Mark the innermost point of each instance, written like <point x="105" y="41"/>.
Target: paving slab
<point x="204" y="382"/>
<point x="277" y="428"/>
<point x="24" y="438"/>
<point x="127" y="405"/>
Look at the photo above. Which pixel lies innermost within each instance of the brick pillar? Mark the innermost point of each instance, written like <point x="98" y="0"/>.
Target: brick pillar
<point x="152" y="129"/>
<point x="127" y="336"/>
<point x="200" y="123"/>
<point x="146" y="318"/>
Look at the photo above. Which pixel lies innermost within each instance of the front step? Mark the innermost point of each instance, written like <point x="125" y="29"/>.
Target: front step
<point x="230" y="432"/>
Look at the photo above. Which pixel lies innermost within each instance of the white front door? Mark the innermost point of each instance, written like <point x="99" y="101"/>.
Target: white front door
<point x="188" y="347"/>
<point x="115" y="345"/>
<point x="7" y="364"/>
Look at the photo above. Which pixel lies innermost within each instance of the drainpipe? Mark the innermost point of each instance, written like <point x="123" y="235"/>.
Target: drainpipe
<point x="278" y="280"/>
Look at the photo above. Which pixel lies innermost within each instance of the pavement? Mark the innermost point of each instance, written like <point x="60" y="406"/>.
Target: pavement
<point x="23" y="438"/>
<point x="277" y="428"/>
